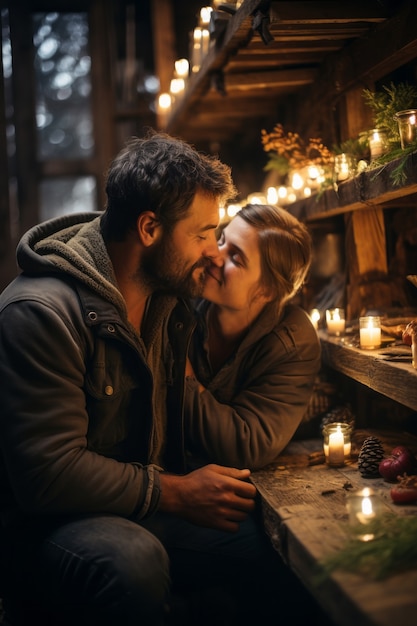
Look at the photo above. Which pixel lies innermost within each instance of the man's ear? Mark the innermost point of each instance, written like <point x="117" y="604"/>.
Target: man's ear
<point x="149" y="228"/>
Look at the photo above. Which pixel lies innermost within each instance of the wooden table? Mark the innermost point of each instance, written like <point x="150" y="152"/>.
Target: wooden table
<point x="304" y="508"/>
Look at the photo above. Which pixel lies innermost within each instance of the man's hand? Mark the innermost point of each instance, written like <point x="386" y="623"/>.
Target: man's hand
<point x="212" y="496"/>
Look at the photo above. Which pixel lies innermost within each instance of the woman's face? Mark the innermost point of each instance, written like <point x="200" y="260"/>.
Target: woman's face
<point x="237" y="284"/>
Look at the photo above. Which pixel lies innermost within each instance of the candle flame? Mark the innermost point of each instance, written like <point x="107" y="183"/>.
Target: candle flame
<point x="367" y="506"/>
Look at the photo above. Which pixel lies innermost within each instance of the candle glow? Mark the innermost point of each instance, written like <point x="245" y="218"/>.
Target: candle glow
<point x="369" y="332"/>
<point x="335" y="320"/>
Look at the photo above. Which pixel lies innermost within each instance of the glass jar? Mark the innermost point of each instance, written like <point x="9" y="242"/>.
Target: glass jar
<point x="378" y="142"/>
<point x="370" y="332"/>
<point x="364" y="507"/>
<point x="407" y="127"/>
<point x="344" y="167"/>
<point x="337" y="443"/>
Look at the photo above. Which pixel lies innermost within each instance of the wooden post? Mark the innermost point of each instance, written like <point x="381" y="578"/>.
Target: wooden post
<point x="368" y="285"/>
<point x="164" y="46"/>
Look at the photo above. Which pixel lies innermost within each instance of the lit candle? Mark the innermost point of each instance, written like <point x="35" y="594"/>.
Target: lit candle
<point x="347" y="448"/>
<point x="337" y="443"/>
<point x="315" y="317"/>
<point x="336" y="448"/>
<point x="335" y="320"/>
<point x="377" y="143"/>
<point x="363" y="507"/>
<point x="407" y="126"/>
<point x="196" y="50"/>
<point x="205" y="14"/>
<point x="343" y="167"/>
<point x="367" y="513"/>
<point x="272" y="195"/>
<point x="177" y="86"/>
<point x="369" y="332"/>
<point x="182" y="68"/>
<point x="205" y="40"/>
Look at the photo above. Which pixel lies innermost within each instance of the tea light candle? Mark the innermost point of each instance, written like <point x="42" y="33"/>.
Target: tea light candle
<point x="335" y="320"/>
<point x="337" y="444"/>
<point x="363" y="507"/>
<point x="377" y="142"/>
<point x="370" y="332"/>
<point x="344" y="167"/>
<point x="336" y="448"/>
<point x="407" y="126"/>
<point x="315" y="317"/>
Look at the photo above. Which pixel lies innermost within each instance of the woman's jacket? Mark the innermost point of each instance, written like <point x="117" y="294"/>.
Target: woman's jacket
<point x="253" y="405"/>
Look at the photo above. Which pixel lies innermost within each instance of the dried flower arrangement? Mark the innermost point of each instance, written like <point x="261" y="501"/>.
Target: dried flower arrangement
<point x="289" y="151"/>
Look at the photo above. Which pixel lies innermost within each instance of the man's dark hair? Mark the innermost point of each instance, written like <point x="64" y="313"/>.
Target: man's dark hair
<point x="162" y="174"/>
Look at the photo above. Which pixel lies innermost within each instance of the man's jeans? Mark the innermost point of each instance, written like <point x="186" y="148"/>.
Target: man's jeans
<point x="104" y="569"/>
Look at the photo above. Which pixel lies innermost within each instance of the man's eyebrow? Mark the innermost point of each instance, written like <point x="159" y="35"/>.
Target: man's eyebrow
<point x="209" y="227"/>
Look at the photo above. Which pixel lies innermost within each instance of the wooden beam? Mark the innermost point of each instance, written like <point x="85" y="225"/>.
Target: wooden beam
<point x="295" y="12"/>
<point x="389" y="46"/>
<point x="269" y="80"/>
<point x="239" y="31"/>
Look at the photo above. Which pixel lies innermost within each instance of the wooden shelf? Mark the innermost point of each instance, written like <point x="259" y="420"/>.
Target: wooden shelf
<point x="394" y="380"/>
<point x="369" y="189"/>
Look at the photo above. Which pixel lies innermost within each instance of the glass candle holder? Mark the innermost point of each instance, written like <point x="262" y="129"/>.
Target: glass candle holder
<point x="407" y="126"/>
<point x="337" y="443"/>
<point x="363" y="507"/>
<point x="344" y="167"/>
<point x="335" y="320"/>
<point x="370" y="332"/>
<point x="378" y="142"/>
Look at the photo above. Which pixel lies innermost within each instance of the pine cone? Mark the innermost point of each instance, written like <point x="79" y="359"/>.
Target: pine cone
<point x="341" y="413"/>
<point x="370" y="456"/>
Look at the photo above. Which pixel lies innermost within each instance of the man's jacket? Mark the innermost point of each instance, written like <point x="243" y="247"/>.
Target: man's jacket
<point x="77" y="431"/>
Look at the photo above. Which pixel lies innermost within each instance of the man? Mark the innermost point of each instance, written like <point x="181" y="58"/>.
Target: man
<point x="87" y="369"/>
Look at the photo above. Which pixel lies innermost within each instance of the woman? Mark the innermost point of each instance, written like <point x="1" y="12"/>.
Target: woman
<point x="254" y="356"/>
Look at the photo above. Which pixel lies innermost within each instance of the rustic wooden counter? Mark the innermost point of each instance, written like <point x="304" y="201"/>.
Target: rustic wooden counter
<point x="304" y="509"/>
<point x="387" y="370"/>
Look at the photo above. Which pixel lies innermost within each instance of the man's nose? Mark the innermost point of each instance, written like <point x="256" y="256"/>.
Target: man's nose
<point x="213" y="253"/>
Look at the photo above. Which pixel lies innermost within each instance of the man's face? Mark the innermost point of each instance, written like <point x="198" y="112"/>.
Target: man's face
<point x="176" y="264"/>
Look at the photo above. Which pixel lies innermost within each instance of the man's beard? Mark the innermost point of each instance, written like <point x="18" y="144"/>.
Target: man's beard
<point x="162" y="269"/>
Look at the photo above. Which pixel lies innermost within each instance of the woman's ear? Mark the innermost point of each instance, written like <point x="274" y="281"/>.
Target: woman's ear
<point x="149" y="228"/>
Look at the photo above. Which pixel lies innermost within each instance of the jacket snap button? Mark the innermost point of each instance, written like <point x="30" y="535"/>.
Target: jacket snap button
<point x="108" y="390"/>
<point x="92" y="316"/>
<point x="110" y="328"/>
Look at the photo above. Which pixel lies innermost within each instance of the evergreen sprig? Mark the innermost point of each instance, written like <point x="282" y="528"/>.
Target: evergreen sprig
<point x="393" y="550"/>
<point x="387" y="102"/>
<point x="399" y="174"/>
